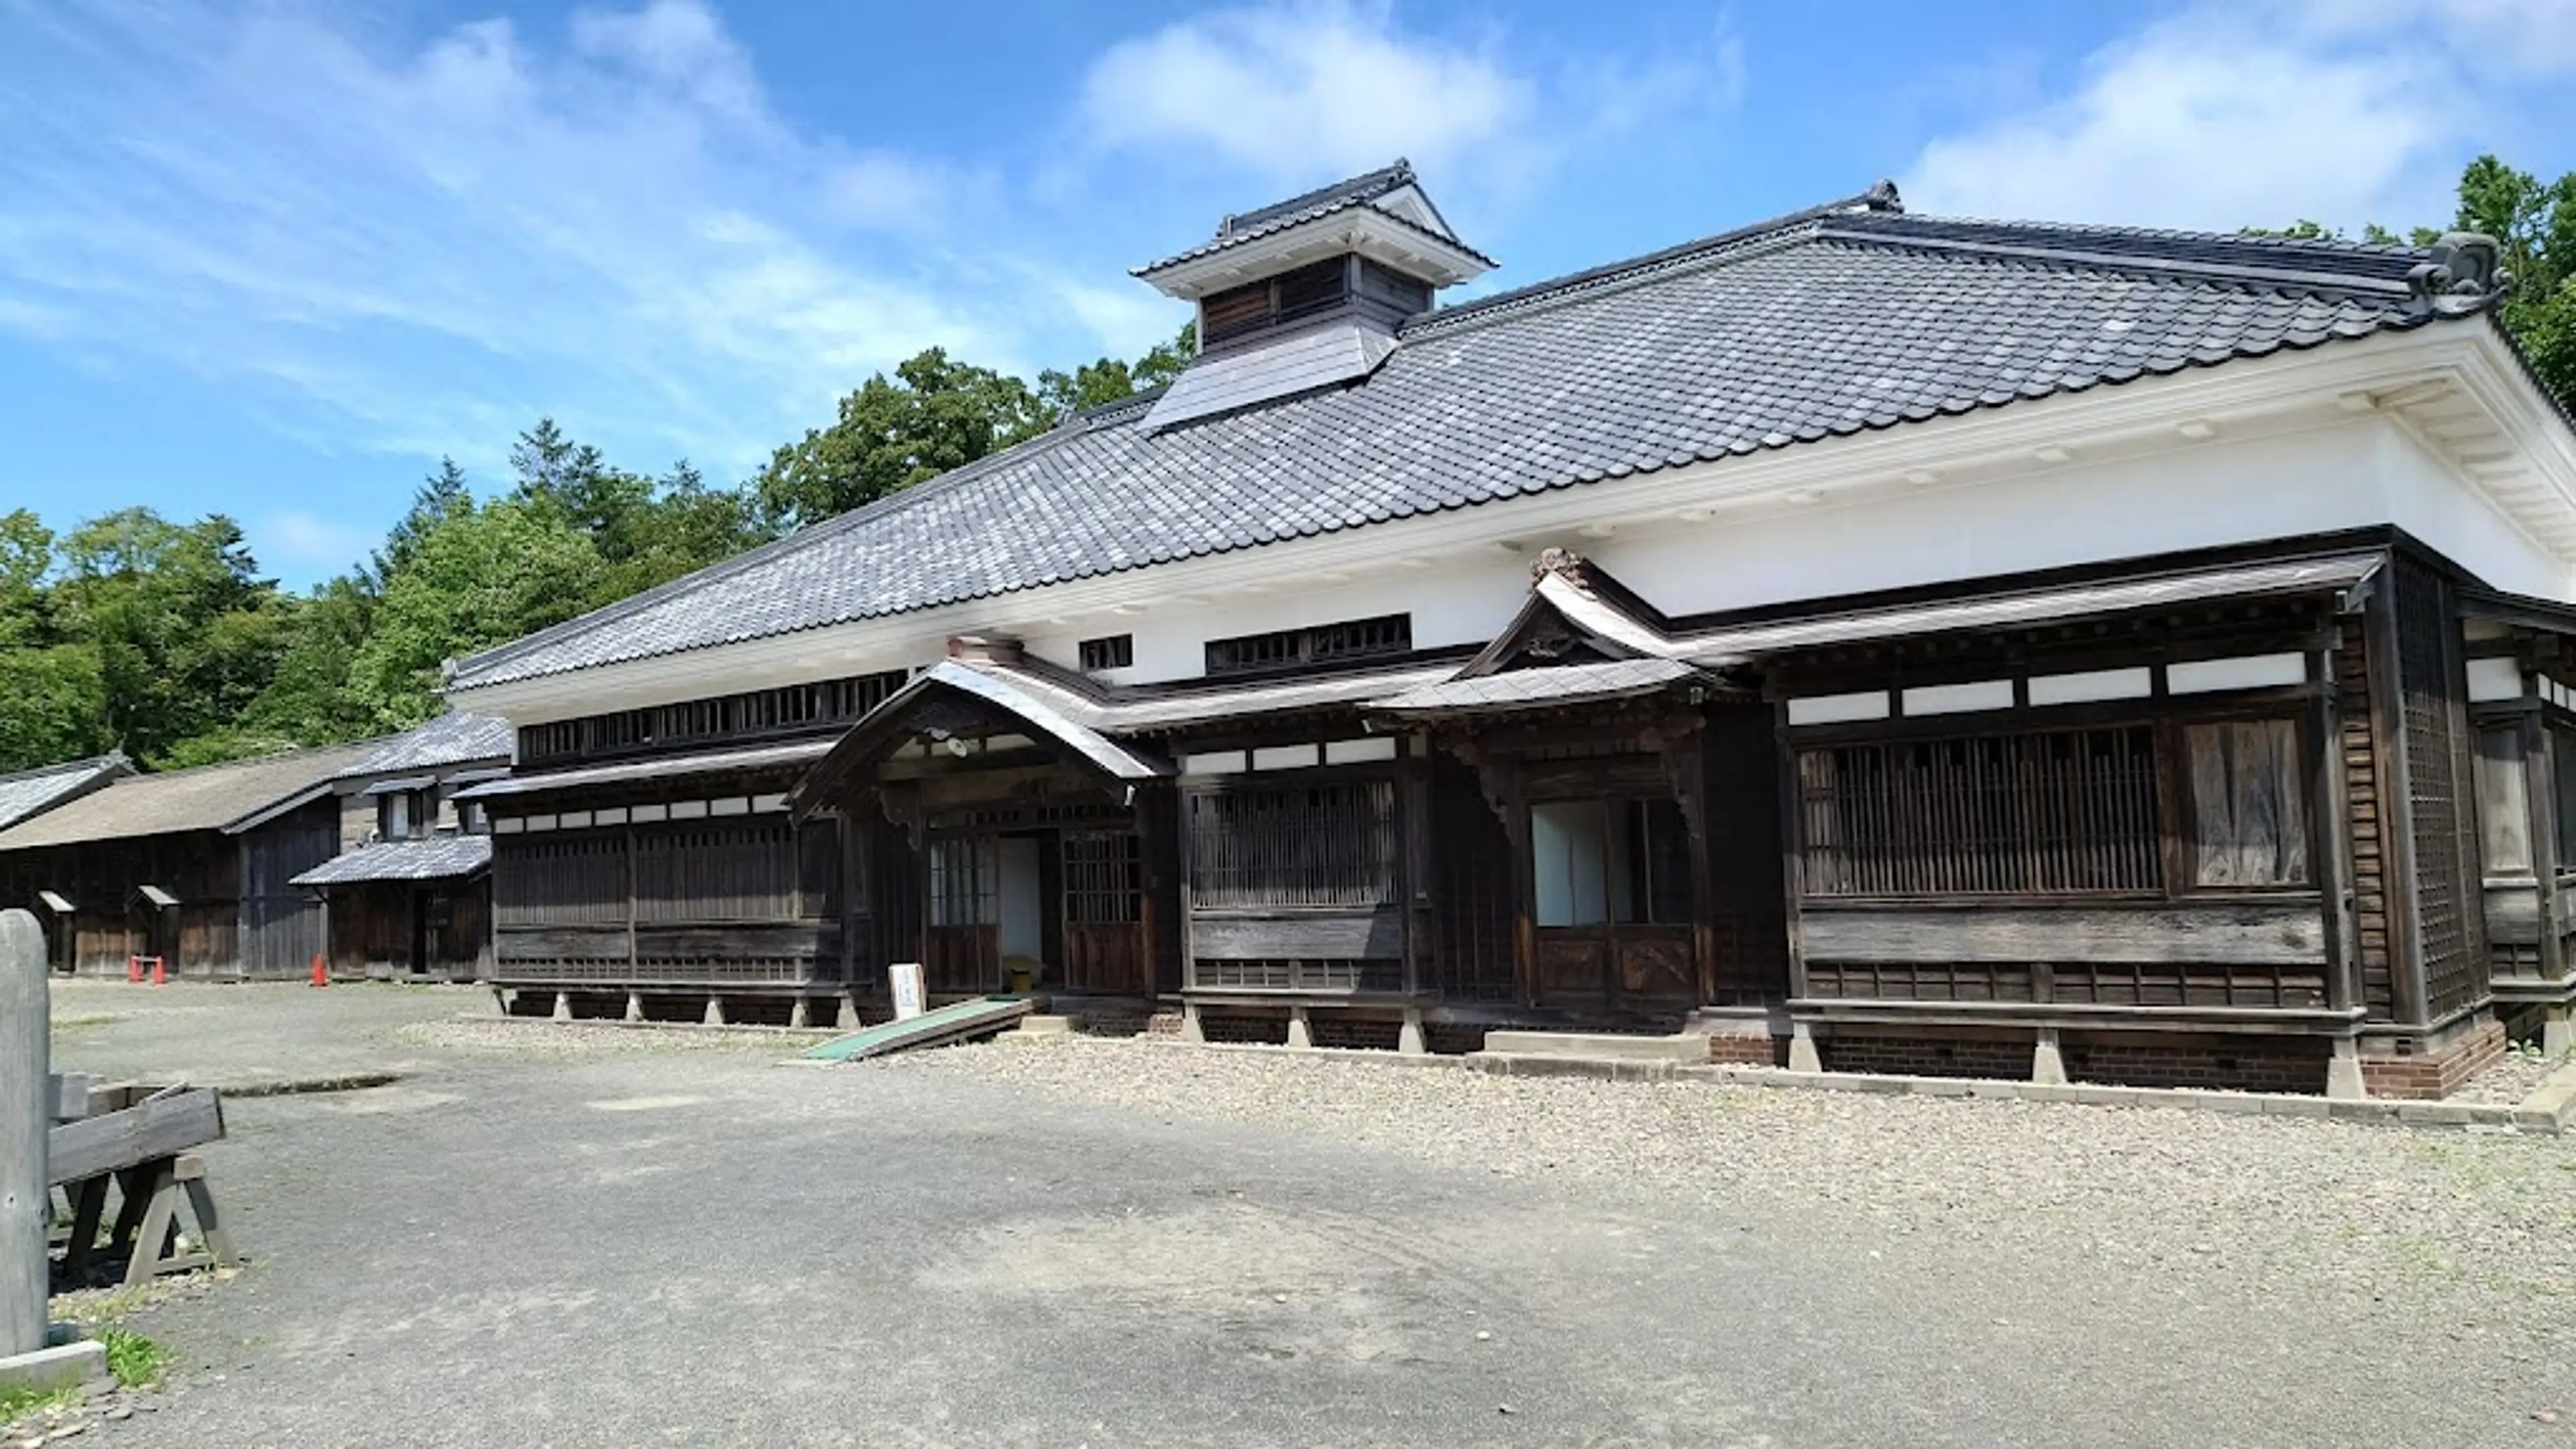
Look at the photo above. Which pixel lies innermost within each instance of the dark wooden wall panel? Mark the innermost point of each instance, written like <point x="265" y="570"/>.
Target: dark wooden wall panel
<point x="2286" y="934"/>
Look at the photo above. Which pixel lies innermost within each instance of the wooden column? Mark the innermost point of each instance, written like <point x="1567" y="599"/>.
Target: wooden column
<point x="2330" y="837"/>
<point x="1413" y="807"/>
<point x="24" y="1119"/>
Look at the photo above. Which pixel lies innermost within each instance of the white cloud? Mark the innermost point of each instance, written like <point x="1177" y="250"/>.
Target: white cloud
<point x="383" y="239"/>
<point x="2242" y="114"/>
<point x="2202" y="122"/>
<point x="1285" y="91"/>
<point x="1297" y="93"/>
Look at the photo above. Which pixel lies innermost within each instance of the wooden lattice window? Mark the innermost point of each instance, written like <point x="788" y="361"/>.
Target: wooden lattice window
<point x="565" y="881"/>
<point x="1112" y="651"/>
<point x="1295" y="845"/>
<point x="1241" y="311"/>
<point x="965" y="881"/>
<point x="1104" y="878"/>
<point x="2069" y="812"/>
<point x="1386" y="634"/>
<point x="788" y="709"/>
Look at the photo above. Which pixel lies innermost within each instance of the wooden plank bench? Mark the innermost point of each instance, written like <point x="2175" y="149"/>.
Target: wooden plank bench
<point x="136" y="1139"/>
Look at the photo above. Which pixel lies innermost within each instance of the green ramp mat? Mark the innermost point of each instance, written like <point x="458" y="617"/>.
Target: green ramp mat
<point x="965" y="1018"/>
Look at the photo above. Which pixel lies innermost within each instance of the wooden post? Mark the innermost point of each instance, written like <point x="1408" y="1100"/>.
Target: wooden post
<point x="24" y="1102"/>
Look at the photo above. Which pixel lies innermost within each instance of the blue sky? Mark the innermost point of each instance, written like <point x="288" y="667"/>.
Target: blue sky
<point x="274" y="259"/>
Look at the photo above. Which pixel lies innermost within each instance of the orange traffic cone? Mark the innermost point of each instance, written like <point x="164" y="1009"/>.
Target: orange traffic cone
<point x="134" y="970"/>
<point x="160" y="973"/>
<point x="321" y="972"/>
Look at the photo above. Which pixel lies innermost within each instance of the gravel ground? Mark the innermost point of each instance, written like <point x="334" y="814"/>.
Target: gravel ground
<point x="2515" y="1075"/>
<point x="596" y="1236"/>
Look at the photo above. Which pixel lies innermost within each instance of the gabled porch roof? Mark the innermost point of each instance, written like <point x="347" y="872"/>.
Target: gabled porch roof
<point x="995" y="688"/>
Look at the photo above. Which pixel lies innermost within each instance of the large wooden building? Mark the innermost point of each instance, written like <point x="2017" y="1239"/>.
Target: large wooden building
<point x="1868" y="640"/>
<point x="192" y="869"/>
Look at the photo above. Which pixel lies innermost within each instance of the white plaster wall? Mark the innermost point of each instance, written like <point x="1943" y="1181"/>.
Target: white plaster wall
<point x="2364" y="473"/>
<point x="1459" y="600"/>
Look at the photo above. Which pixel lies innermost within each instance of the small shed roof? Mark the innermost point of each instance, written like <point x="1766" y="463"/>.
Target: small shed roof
<point x="441" y="857"/>
<point x="1525" y="688"/>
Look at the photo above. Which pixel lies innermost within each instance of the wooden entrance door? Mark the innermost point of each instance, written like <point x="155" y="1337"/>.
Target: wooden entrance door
<point x="961" y="936"/>
<point x="1104" y="913"/>
<point x="1612" y="905"/>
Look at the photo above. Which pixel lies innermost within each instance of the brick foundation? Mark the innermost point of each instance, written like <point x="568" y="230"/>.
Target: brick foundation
<point x="1924" y="1054"/>
<point x="1262" y="1028"/>
<point x="1749" y="1051"/>
<point x="2222" y="1063"/>
<point x="2423" y="1072"/>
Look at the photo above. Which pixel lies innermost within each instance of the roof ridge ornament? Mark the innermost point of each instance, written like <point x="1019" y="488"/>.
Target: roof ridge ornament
<point x="2464" y="264"/>
<point x="1561" y="561"/>
<point x="1883" y="197"/>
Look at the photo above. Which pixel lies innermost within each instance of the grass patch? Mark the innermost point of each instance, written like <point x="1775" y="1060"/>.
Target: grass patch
<point x="83" y="1023"/>
<point x="136" y="1361"/>
<point x="16" y="1404"/>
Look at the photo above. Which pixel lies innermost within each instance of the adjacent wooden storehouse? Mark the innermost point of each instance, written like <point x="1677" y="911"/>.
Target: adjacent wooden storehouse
<point x="192" y="868"/>
<point x="409" y="894"/>
<point x="1867" y="640"/>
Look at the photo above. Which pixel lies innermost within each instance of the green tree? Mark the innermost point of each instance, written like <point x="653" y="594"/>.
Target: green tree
<point x="483" y="576"/>
<point x="26" y="557"/>
<point x="2535" y="223"/>
<point x="184" y="630"/>
<point x="934" y="414"/>
<point x="55" y="707"/>
<point x="682" y="527"/>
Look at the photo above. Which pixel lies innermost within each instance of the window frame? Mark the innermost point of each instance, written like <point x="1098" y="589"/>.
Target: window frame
<point x="2168" y="718"/>
<point x="1627" y="834"/>
<point x="2181" y="827"/>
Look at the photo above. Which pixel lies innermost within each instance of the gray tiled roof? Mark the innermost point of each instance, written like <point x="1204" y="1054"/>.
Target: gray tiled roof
<point x="655" y="768"/>
<point x="31" y="792"/>
<point x="1560" y="684"/>
<point x="1831" y="322"/>
<point x="455" y="738"/>
<point x="441" y="857"/>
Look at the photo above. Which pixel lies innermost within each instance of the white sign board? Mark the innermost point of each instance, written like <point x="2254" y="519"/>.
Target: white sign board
<point x="906" y="977"/>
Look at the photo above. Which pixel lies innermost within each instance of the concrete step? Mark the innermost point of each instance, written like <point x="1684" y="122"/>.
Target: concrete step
<point x="1599" y="1046"/>
<point x="1035" y="1025"/>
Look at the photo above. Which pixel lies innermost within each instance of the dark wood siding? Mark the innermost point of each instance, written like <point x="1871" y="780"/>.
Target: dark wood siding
<point x="2363" y="798"/>
<point x="714" y="901"/>
<point x="282" y="924"/>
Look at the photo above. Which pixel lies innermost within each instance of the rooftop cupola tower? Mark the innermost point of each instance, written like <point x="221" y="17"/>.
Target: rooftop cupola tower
<point x="1308" y="293"/>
